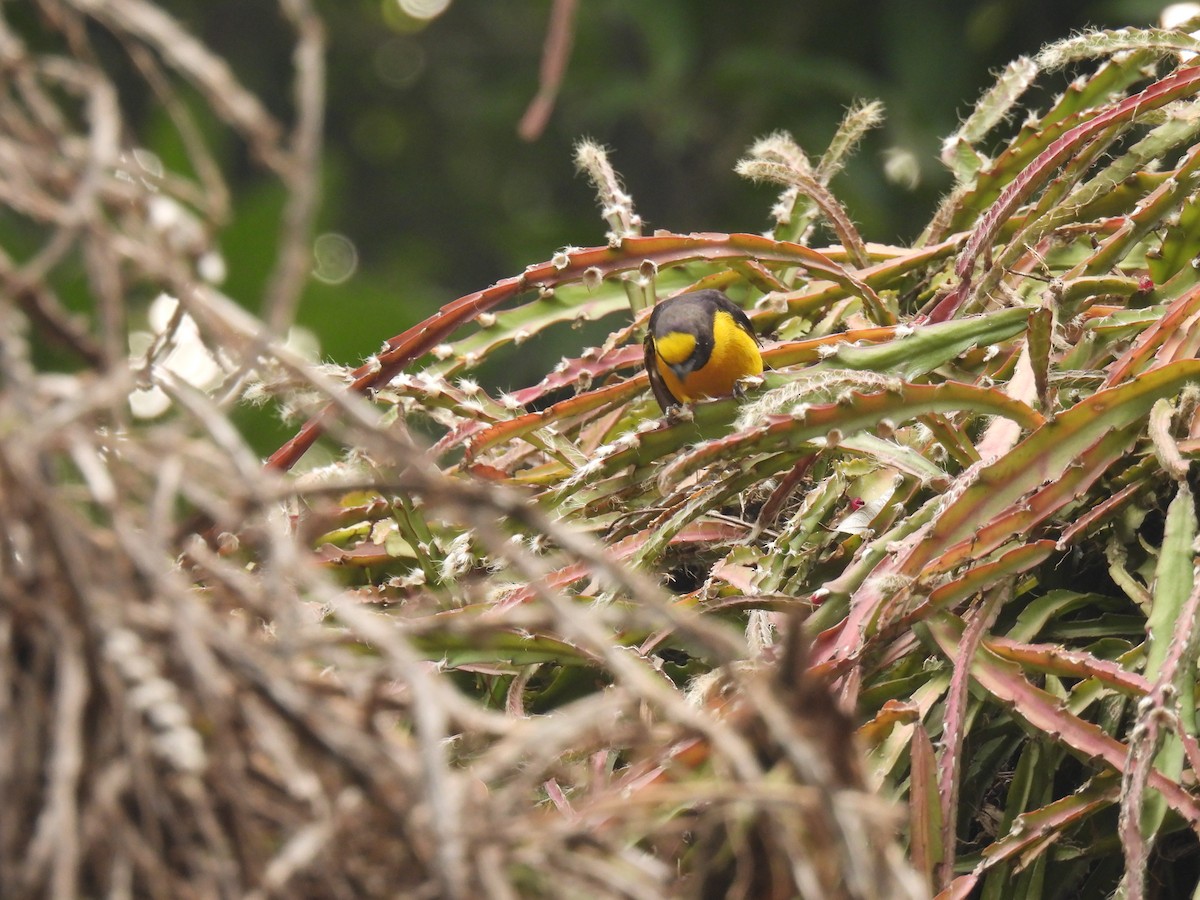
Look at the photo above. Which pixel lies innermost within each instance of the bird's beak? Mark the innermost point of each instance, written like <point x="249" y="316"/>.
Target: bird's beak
<point x="682" y="370"/>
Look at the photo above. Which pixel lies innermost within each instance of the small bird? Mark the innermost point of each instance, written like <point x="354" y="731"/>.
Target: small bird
<point x="699" y="345"/>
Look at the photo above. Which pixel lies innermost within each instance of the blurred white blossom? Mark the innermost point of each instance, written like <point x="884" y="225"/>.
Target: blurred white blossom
<point x="1177" y="14"/>
<point x="182" y="353"/>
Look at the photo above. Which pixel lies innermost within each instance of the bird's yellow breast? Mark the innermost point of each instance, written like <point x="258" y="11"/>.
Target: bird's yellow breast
<point x="734" y="356"/>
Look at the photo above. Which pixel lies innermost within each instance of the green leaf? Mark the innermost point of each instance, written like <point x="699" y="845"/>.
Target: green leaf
<point x="1173" y="583"/>
<point x="926" y="347"/>
<point x="925" y="809"/>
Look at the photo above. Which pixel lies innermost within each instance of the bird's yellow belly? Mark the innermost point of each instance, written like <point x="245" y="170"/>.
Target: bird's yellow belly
<point x="734" y="356"/>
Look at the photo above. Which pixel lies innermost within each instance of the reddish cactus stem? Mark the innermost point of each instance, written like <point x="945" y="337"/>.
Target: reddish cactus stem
<point x="579" y="265"/>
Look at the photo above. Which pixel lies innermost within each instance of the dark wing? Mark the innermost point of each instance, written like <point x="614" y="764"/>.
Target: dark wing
<point x="650" y="358"/>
